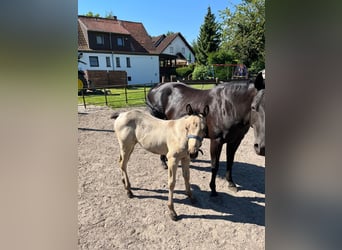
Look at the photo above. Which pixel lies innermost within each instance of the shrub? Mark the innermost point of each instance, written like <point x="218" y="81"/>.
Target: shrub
<point x="184" y="71"/>
<point x="201" y="72"/>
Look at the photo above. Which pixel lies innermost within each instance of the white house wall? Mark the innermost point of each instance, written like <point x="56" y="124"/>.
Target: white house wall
<point x="144" y="69"/>
<point x="178" y="44"/>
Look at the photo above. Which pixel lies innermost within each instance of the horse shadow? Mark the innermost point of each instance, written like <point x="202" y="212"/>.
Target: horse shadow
<point x="247" y="176"/>
<point x="97" y="130"/>
<point x="228" y="207"/>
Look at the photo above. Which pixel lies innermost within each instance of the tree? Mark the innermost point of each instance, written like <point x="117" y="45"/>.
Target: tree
<point x="169" y="33"/>
<point x="209" y="38"/>
<point x="243" y="32"/>
<point x="109" y="15"/>
<point x="91" y="14"/>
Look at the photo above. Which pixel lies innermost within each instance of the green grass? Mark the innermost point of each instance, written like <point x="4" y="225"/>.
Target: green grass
<point x="117" y="96"/>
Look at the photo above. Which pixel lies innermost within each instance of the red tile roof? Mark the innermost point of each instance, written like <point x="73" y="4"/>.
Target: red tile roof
<point x="142" y="42"/>
<point x="139" y="33"/>
<point x="162" y="45"/>
<point x="82" y="41"/>
<point x="103" y="25"/>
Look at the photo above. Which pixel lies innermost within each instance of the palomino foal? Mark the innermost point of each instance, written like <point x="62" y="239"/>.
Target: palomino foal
<point x="177" y="139"/>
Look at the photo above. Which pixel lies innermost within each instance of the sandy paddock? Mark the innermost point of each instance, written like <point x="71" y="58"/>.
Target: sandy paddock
<point x="110" y="220"/>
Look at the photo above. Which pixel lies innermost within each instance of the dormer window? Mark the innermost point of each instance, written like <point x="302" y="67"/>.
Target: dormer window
<point x="99" y="40"/>
<point x="120" y="41"/>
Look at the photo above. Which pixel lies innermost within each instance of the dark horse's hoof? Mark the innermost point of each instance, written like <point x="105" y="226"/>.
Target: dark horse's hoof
<point x="164" y="165"/>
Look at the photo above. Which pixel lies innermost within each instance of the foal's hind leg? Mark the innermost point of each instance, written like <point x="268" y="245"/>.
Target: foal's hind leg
<point x="186" y="175"/>
<point x="125" y="153"/>
<point x="172" y="169"/>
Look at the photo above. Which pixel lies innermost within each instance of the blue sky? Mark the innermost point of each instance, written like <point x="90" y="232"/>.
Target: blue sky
<point x="159" y="17"/>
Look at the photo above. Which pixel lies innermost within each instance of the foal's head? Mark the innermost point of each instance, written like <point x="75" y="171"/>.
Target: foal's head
<point x="196" y="127"/>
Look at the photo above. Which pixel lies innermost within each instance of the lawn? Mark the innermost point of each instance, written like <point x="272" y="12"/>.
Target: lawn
<point x="121" y="97"/>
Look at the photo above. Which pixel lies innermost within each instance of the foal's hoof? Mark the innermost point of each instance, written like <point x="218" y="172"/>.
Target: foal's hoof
<point x="173" y="216"/>
<point x="130" y="194"/>
<point x="233" y="187"/>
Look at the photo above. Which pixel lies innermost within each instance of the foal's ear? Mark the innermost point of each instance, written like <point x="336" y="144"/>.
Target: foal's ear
<point x="189" y="109"/>
<point x="205" y="111"/>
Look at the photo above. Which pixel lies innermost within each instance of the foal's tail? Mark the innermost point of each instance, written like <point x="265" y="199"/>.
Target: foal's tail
<point x="115" y="115"/>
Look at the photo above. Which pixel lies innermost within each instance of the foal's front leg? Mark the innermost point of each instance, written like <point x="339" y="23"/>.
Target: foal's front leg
<point x="172" y="169"/>
<point x="186" y="175"/>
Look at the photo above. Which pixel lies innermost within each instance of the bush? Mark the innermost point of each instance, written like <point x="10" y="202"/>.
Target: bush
<point x="201" y="72"/>
<point x="184" y="71"/>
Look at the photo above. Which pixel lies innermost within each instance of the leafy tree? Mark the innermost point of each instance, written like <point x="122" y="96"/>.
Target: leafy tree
<point x="170" y="33"/>
<point x="109" y="15"/>
<point x="91" y="14"/>
<point x="201" y="72"/>
<point x="221" y="57"/>
<point x="243" y="32"/>
<point x="209" y="38"/>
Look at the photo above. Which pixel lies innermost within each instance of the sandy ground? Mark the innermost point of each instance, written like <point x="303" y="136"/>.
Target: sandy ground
<point x="110" y="220"/>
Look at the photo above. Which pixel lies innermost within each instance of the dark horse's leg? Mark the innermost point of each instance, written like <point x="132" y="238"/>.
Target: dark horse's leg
<point x="163" y="159"/>
<point x="215" y="152"/>
<point x="230" y="154"/>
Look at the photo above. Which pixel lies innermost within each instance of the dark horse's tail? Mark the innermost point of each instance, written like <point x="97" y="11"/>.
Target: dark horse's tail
<point x="155" y="110"/>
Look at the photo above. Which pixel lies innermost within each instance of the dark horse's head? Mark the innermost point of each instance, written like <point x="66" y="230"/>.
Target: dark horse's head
<point x="258" y="115"/>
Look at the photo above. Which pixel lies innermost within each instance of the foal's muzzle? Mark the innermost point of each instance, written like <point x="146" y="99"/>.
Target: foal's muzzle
<point x="199" y="139"/>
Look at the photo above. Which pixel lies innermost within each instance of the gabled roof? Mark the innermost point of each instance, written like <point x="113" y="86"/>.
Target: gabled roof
<point x="141" y="40"/>
<point x="103" y="25"/>
<point x="139" y="33"/>
<point x="161" y="42"/>
<point x="82" y="41"/>
<point x="156" y="40"/>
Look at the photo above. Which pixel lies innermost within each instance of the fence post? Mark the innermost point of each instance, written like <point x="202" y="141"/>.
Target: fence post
<point x="126" y="94"/>
<point x="145" y="92"/>
<point x="105" y="94"/>
<point x="84" y="103"/>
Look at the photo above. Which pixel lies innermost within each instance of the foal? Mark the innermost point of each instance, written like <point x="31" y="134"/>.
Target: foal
<point x="177" y="139"/>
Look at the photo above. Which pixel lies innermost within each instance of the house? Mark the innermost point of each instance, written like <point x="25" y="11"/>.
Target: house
<point x="175" y="44"/>
<point x="116" y="45"/>
<point x="174" y="51"/>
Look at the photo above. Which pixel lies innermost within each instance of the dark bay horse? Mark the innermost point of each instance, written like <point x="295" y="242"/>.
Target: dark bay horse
<point x="234" y="107"/>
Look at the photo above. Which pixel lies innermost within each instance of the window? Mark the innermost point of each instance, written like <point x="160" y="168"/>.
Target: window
<point x="108" y="61"/>
<point x="93" y="61"/>
<point x="117" y="59"/>
<point x="120" y="41"/>
<point x="171" y="50"/>
<point x="99" y="40"/>
<point x="128" y="62"/>
<point x="183" y="51"/>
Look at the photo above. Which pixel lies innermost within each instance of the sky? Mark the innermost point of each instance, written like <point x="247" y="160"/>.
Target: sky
<point x="159" y="17"/>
